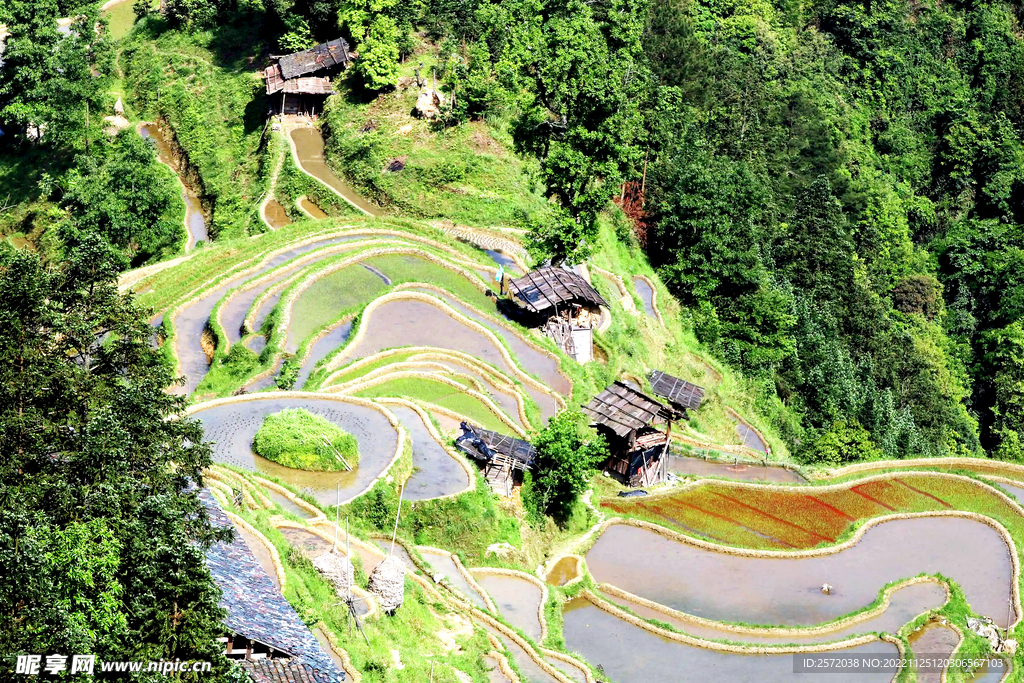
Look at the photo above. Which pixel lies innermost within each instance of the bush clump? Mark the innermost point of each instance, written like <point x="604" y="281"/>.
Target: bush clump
<point x="299" y="439"/>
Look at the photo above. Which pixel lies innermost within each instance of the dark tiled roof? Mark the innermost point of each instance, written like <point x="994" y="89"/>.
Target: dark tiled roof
<point x="310" y="85"/>
<point x="550" y="286"/>
<point x="322" y="56"/>
<point x="482" y="444"/>
<point x="676" y="390"/>
<point x="279" y="671"/>
<point x="256" y="608"/>
<point x="623" y="409"/>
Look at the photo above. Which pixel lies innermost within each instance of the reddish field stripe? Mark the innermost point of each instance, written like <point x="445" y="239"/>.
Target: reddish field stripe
<point x="854" y="489"/>
<point x="833" y="509"/>
<point x="733" y="521"/>
<point x="923" y="493"/>
<point x="777" y="519"/>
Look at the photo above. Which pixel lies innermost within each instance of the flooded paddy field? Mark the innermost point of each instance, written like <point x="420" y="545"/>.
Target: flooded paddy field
<point x="905" y="605"/>
<point x="629" y="654"/>
<point x="435" y="471"/>
<point x="312" y="209"/>
<point x="231" y="427"/>
<point x="786" y="591"/>
<point x="275" y="214"/>
<point x="646" y="293"/>
<point x="740" y="470"/>
<point x="775" y="517"/>
<point x="517" y="599"/>
<point x="322" y="347"/>
<point x="327" y="297"/>
<point x="441" y="563"/>
<point x="309" y="148"/>
<point x="564" y="571"/>
<point x="932" y="641"/>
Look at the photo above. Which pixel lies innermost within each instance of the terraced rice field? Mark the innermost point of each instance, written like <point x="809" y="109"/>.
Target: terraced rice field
<point x="798" y="517"/>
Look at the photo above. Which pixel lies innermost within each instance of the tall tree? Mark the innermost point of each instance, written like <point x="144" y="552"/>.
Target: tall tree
<point x="102" y="536"/>
<point x="582" y="64"/>
<point x="46" y="85"/>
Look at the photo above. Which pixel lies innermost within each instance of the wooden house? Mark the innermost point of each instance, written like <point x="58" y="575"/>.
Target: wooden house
<point x="261" y="630"/>
<point x="501" y="455"/>
<point x="628" y="419"/>
<point x="293" y="89"/>
<point x="680" y="394"/>
<point x="565" y="305"/>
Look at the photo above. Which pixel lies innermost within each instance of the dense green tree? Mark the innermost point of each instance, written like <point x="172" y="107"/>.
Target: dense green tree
<point x="378" y="54"/>
<point x="121" y="193"/>
<point x="567" y="453"/>
<point x="102" y="536"/>
<point x="46" y="86"/>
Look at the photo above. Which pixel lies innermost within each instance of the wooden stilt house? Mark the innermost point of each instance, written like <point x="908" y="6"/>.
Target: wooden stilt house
<point x="502" y="456"/>
<point x="628" y="419"/>
<point x="564" y="304"/>
<point x="291" y="87"/>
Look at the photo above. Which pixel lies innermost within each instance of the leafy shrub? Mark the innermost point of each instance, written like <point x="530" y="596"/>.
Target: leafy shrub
<point x="240" y="361"/>
<point x="296" y="438"/>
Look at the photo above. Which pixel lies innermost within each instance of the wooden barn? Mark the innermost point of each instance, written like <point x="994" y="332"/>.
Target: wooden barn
<point x="680" y="394"/>
<point x="291" y="87"/>
<point x="628" y="419"/>
<point x="501" y="455"/>
<point x="564" y="304"/>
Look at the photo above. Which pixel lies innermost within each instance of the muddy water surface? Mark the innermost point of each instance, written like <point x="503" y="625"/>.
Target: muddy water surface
<point x="309" y="146"/>
<point x="443" y="564"/>
<point x="646" y="295"/>
<point x="742" y="471"/>
<point x="933" y="642"/>
<point x="287" y="504"/>
<point x="275" y="214"/>
<point x="232" y="427"/>
<point x="630" y="654"/>
<point x="195" y="223"/>
<point x="435" y="471"/>
<point x="530" y="671"/>
<point x="312" y="209"/>
<point x="787" y="591"/>
<point x="517" y="599"/>
<point x="905" y="605"/>
<point x="564" y="571"/>
<point x="337" y="336"/>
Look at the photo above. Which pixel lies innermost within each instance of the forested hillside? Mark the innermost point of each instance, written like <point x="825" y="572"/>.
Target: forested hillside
<point x="832" y="190"/>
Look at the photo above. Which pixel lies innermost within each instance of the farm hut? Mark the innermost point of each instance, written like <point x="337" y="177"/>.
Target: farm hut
<point x="291" y="87"/>
<point x="627" y="418"/>
<point x="262" y="631"/>
<point x="501" y="455"/>
<point x="564" y="304"/>
<point x="680" y="394"/>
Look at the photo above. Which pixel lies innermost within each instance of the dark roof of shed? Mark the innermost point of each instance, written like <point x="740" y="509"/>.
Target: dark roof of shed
<point x="322" y="56"/>
<point x="550" y="286"/>
<point x="678" y="391"/>
<point x="477" y="442"/>
<point x="622" y="409"/>
<point x="279" y="671"/>
<point x="256" y="609"/>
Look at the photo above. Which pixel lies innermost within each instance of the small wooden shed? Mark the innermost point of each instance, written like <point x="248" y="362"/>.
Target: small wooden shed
<point x="301" y="93"/>
<point x="564" y="304"/>
<point x="628" y="419"/>
<point x="680" y="394"/>
<point x="501" y="455"/>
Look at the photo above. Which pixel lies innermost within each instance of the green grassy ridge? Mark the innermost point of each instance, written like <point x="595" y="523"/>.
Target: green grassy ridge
<point x="465" y="173"/>
<point x="295" y="438"/>
<point x="202" y="83"/>
<point x="438" y="393"/>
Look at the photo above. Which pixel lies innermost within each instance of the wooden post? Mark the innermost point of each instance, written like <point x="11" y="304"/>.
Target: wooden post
<point x="665" y="452"/>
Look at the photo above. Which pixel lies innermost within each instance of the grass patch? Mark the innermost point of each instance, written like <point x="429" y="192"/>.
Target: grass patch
<point x="330" y="296"/>
<point x="465" y="174"/>
<point x="438" y="393"/>
<point x="299" y="439"/>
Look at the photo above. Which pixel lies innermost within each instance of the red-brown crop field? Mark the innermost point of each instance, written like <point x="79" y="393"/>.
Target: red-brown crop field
<point x="782" y="517"/>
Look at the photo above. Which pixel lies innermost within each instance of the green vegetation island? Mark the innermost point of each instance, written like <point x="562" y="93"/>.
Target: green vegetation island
<point x="508" y="342"/>
<point x="299" y="439"/>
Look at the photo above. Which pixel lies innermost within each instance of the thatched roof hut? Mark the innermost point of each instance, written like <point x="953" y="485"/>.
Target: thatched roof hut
<point x="627" y="417"/>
